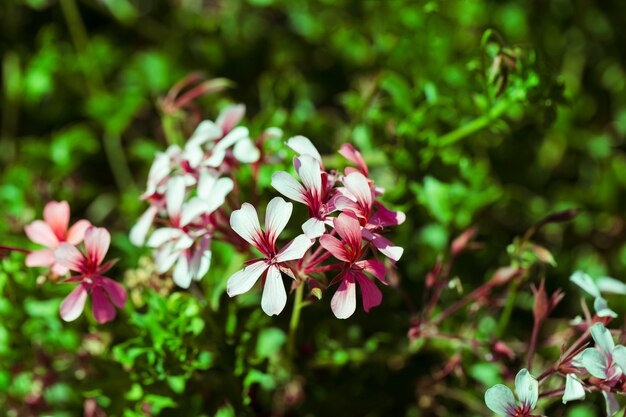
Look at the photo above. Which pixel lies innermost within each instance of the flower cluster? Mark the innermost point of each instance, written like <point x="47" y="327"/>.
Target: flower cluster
<point x="345" y="220"/>
<point x="62" y="256"/>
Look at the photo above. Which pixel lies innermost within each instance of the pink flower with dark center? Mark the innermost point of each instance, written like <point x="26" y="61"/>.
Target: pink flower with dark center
<point x="350" y="250"/>
<point x="104" y="291"/>
<point x="51" y="233"/>
<point x="245" y="223"/>
<point x="315" y="192"/>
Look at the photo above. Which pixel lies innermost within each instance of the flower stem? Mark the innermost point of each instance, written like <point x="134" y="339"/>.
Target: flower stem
<point x="295" y="320"/>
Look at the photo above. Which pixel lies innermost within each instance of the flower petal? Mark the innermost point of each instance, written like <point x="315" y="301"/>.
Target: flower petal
<point x="500" y="400"/>
<point x="68" y="256"/>
<point x="343" y="303"/>
<point x="359" y="188"/>
<point x="374" y="267"/>
<point x="234" y="136"/>
<point x="334" y="247"/>
<point x="163" y="235"/>
<point x="245" y="222"/>
<point x="140" y="230"/>
<point x="201" y="260"/>
<point x="294" y="249"/>
<point x="370" y="293"/>
<point x="349" y="229"/>
<point x="116" y="292"/>
<point x="314" y="228"/>
<point x="602" y="308"/>
<point x="165" y="257"/>
<point x="274" y="296"/>
<point x="289" y="187"/>
<point x="612" y="405"/>
<point x="527" y="389"/>
<point x="574" y="389"/>
<point x="103" y="310"/>
<point x="611" y="285"/>
<point x="243" y="280"/>
<point x="97" y="241"/>
<point x="603" y="338"/>
<point x="384" y="246"/>
<point x="304" y="146"/>
<point x="205" y="132"/>
<point x="41" y="233"/>
<point x="619" y="357"/>
<point x="246" y="151"/>
<point x="585" y="282"/>
<point x="309" y="171"/>
<point x="76" y="234"/>
<point x="351" y="154"/>
<point x="182" y="275"/>
<point x="174" y="197"/>
<point x="73" y="305"/>
<point x="44" y="257"/>
<point x="57" y="215"/>
<point x="594" y="362"/>
<point x="277" y="216"/>
<point x="230" y="117"/>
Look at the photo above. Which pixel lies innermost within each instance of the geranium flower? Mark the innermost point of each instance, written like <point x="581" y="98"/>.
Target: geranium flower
<point x="350" y="250"/>
<point x="314" y="192"/>
<point x="245" y="223"/>
<point x="500" y="399"/>
<point x="303" y="146"/>
<point x="104" y="291"/>
<point x="574" y="389"/>
<point x="51" y="233"/>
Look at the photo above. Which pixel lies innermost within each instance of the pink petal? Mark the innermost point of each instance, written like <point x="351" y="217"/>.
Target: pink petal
<point x="335" y="247"/>
<point x="304" y="146"/>
<point x="384" y="217"/>
<point x="44" y="257"/>
<point x="41" y="233"/>
<point x="348" y="227"/>
<point x="359" y="187"/>
<point x="73" y="305"/>
<point x="370" y="293"/>
<point x="289" y="187"/>
<point x="343" y="303"/>
<point x="274" y="296"/>
<point x="97" y="241"/>
<point x="174" y="197"/>
<point x="309" y="171"/>
<point x="384" y="246"/>
<point x="117" y="293"/>
<point x="230" y="117"/>
<point x="374" y="267"/>
<point x="351" y="154"/>
<point x="245" y="223"/>
<point x="243" y="280"/>
<point x="57" y="215"/>
<point x="277" y="215"/>
<point x="76" y="234"/>
<point x="59" y="269"/>
<point x="140" y="230"/>
<point x="103" y="310"/>
<point x="68" y="256"/>
<point x="294" y="249"/>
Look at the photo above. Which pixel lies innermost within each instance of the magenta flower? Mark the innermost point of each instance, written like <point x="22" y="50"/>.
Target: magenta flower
<point x="51" y="233"/>
<point x="245" y="223"/>
<point x="350" y="250"/>
<point x="104" y="291"/>
<point x="314" y="192"/>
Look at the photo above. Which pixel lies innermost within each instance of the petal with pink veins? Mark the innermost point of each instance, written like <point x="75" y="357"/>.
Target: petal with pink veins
<point x="57" y="215"/>
<point x="68" y="256"/>
<point x="334" y="247"/>
<point x="343" y="303"/>
<point x="289" y="187"/>
<point x="351" y="154"/>
<point x="97" y="241"/>
<point x="245" y="222"/>
<point x="277" y="215"/>
<point x="116" y="292"/>
<point x="294" y="249"/>
<point x="359" y="187"/>
<point x="41" y="233"/>
<point x="370" y="293"/>
<point x="349" y="229"/>
<point x="44" y="257"/>
<point x="76" y="234"/>
<point x="274" y="296"/>
<point x="384" y="246"/>
<point x="241" y="281"/>
<point x="73" y="305"/>
<point x="309" y="171"/>
<point x="103" y="310"/>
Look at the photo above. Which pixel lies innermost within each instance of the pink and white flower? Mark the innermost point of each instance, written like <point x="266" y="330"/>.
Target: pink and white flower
<point x="350" y="250"/>
<point x="51" y="233"/>
<point x="246" y="224"/>
<point x="105" y="293"/>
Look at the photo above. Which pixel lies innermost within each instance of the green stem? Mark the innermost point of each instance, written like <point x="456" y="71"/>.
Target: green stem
<point x="295" y="320"/>
<point x="475" y="125"/>
<point x="508" y="307"/>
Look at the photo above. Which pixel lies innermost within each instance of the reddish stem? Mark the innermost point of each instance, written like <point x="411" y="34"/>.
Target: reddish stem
<point x="323" y="268"/>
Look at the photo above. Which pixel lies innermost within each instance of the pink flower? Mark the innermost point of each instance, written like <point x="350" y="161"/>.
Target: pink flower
<point x="350" y="250"/>
<point x="315" y="192"/>
<point x="51" y="233"/>
<point x="104" y="291"/>
<point x="245" y="223"/>
<point x="351" y="154"/>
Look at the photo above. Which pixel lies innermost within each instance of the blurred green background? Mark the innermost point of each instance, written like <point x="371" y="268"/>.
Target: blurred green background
<point x="485" y="113"/>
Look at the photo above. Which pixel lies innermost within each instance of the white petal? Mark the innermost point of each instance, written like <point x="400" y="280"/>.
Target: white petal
<point x="206" y="131"/>
<point x="193" y="154"/>
<point x="310" y="173"/>
<point x="175" y="196"/>
<point x="216" y="158"/>
<point x="304" y="146"/>
<point x="201" y="261"/>
<point x="288" y="186"/>
<point x="500" y="400"/>
<point x="359" y="188"/>
<point x="274" y="296"/>
<point x="192" y="210"/>
<point x="245" y="223"/>
<point x="163" y="235"/>
<point x="165" y="257"/>
<point x="594" y="362"/>
<point x="246" y="151"/>
<point x="294" y="249"/>
<point x="527" y="389"/>
<point x="343" y="302"/>
<point x="585" y="282"/>
<point x="182" y="275"/>
<point x="612" y="406"/>
<point x="313" y="228"/>
<point x="611" y="285"/>
<point x="230" y="116"/>
<point x="602" y="308"/>
<point x="140" y="230"/>
<point x="221" y="189"/>
<point x="602" y="337"/>
<point x="206" y="182"/>
<point x="231" y="138"/>
<point x="241" y="281"/>
<point x="277" y="215"/>
<point x="573" y="389"/>
<point x="619" y="357"/>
